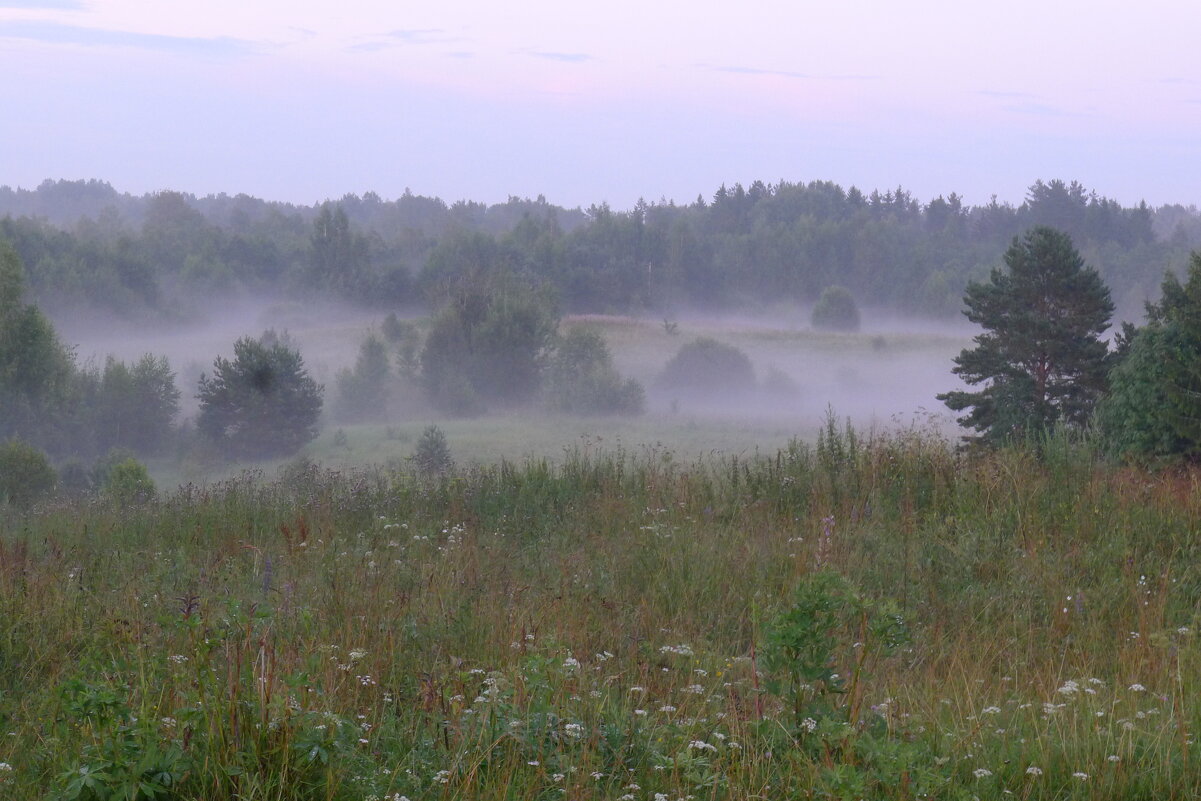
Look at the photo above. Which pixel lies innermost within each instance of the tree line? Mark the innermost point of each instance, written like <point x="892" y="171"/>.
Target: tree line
<point x="83" y="243"/>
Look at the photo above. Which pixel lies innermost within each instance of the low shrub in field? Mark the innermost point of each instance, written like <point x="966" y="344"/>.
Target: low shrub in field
<point x="25" y="473"/>
<point x="705" y="366"/>
<point x="581" y="378"/>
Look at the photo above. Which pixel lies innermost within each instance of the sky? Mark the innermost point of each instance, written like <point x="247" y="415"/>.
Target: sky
<point x="602" y="102"/>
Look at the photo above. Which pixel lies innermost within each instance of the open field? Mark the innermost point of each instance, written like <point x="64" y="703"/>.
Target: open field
<point x="867" y="617"/>
<point x="880" y="379"/>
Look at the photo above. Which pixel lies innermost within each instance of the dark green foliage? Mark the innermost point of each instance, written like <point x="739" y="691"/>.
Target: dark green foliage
<point x="263" y="403"/>
<point x="581" y="378"/>
<point x="1041" y="357"/>
<point x="1154" y="405"/>
<point x="706" y="365"/>
<point x="488" y="344"/>
<point x="35" y="369"/>
<point x="133" y="407"/>
<point x="25" y="473"/>
<point x="432" y="456"/>
<point x="836" y="310"/>
<point x="363" y="392"/>
<point x="405" y="336"/>
<point x="125" y="480"/>
<point x="337" y="257"/>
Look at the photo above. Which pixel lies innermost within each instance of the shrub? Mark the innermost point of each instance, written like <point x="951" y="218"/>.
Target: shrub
<point x="488" y="341"/>
<point x="706" y="365"/>
<point x="432" y="456"/>
<point x="836" y="311"/>
<point x="128" y="482"/>
<point x="263" y="403"/>
<point x="581" y="378"/>
<point x="25" y="474"/>
<point x="363" y="392"/>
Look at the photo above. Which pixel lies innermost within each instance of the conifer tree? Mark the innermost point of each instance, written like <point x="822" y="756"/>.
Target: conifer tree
<point x="1040" y="361"/>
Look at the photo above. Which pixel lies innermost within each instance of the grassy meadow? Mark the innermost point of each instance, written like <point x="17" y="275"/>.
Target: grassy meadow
<point x="861" y="616"/>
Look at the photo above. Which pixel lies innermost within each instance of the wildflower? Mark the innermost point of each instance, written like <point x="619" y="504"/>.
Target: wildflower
<point x="980" y="773"/>
<point x="1114" y="758"/>
<point x="573" y="730"/>
<point x="557" y="777"/>
<point x="695" y="689"/>
<point x="533" y="763"/>
<point x="681" y="649"/>
<point x="5" y="767"/>
<point x="442" y="777"/>
<point x="596" y="774"/>
<point x="571" y="662"/>
<point x="1137" y="688"/>
<point x="991" y="710"/>
<point x="1034" y="770"/>
<point x="701" y="745"/>
<point x="1069" y="688"/>
<point x="178" y="659"/>
<point x="1081" y="776"/>
<point x="667" y="708"/>
<point x="809" y="725"/>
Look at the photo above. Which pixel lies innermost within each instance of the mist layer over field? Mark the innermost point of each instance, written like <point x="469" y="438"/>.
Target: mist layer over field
<point x="886" y="376"/>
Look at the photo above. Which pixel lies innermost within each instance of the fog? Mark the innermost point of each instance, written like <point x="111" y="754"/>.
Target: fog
<point x="885" y="376"/>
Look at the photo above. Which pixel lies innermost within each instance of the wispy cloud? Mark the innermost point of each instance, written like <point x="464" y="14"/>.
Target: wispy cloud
<point x="48" y="5"/>
<point x="807" y="76"/>
<point x="1042" y="110"/>
<point x="1004" y="95"/>
<point x="569" y="58"/>
<point x="421" y="36"/>
<point x="404" y="37"/>
<point x="55" y="33"/>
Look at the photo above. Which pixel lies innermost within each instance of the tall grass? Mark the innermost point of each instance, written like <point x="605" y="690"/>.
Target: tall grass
<point x="610" y="626"/>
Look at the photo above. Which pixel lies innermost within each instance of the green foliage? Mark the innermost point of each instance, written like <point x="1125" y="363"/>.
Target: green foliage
<point x="1152" y="409"/>
<point x="363" y="392"/>
<point x="25" y="474"/>
<point x="821" y="648"/>
<point x="1041" y="356"/>
<point x="133" y="407"/>
<point x="35" y="369"/>
<point x="432" y="456"/>
<point x="405" y="336"/>
<point x="706" y="365"/>
<point x="581" y="378"/>
<point x="125" y="480"/>
<point x="836" y="310"/>
<point x="262" y="403"/>
<point x="488" y="344"/>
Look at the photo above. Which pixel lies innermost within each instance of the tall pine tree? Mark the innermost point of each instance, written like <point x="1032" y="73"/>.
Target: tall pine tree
<point x="1040" y="361"/>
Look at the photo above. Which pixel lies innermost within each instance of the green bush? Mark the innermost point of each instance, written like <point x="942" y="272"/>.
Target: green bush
<point x="25" y="474"/>
<point x="581" y="378"/>
<point x="836" y="311"/>
<point x="124" y="479"/>
<point x="706" y="365"/>
<point x="432" y="456"/>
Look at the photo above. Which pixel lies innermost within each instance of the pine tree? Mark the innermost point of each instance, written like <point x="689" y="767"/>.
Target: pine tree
<point x="1040" y="359"/>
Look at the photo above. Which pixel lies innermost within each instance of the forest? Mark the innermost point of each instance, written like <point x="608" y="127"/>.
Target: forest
<point x="87" y="246"/>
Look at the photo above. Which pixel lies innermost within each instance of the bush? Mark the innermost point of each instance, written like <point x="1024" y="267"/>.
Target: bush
<point x="25" y="474"/>
<point x="432" y="456"/>
<point x="706" y="365"/>
<point x="488" y="341"/>
<point x="263" y="403"/>
<point x="128" y="482"/>
<point x="363" y="392"/>
<point x="581" y="378"/>
<point x="836" y="311"/>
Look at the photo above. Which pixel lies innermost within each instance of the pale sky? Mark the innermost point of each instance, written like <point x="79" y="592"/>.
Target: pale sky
<point x="592" y="102"/>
